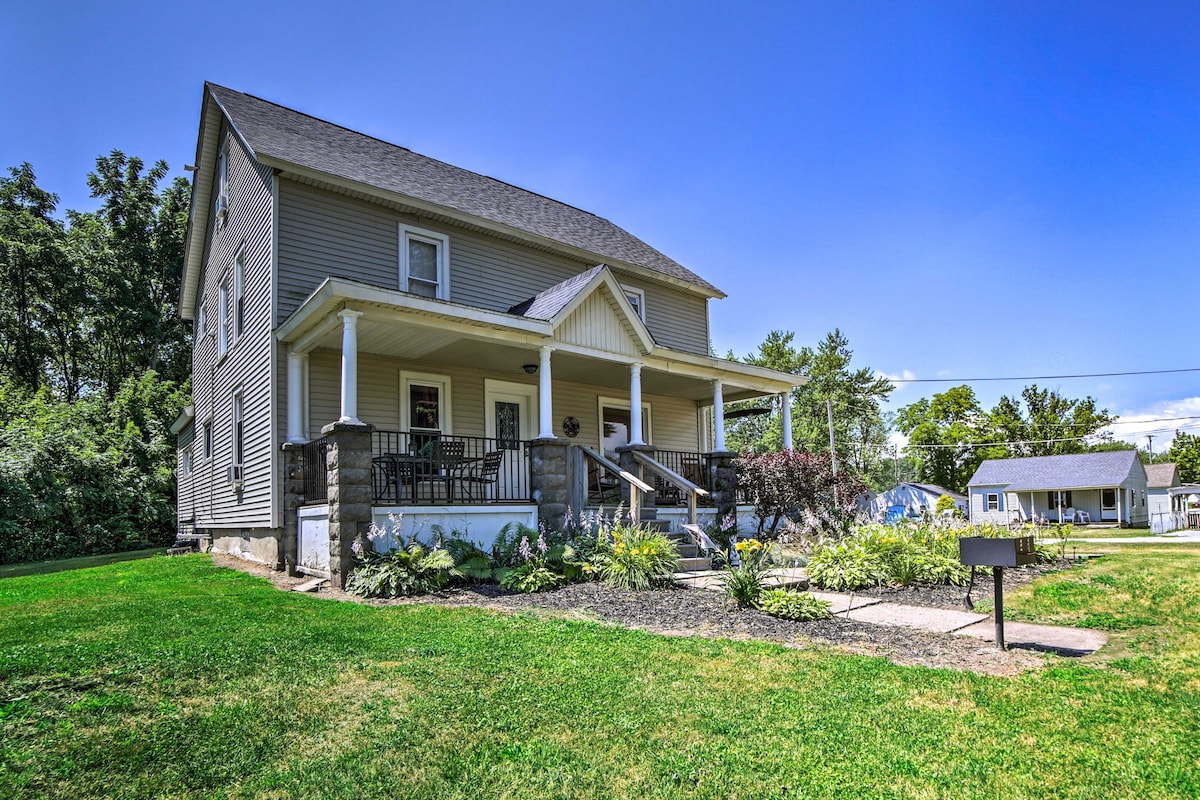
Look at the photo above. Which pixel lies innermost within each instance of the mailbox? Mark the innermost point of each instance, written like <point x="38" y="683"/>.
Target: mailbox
<point x="990" y="551"/>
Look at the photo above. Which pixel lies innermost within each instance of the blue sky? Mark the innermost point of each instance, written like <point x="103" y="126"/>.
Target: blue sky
<point x="965" y="189"/>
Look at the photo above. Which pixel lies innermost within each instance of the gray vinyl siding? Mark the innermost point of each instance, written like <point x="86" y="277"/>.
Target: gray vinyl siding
<point x="247" y="362"/>
<point x="324" y="234"/>
<point x="673" y="420"/>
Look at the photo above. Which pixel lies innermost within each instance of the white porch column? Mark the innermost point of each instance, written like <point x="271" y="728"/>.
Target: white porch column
<point x="718" y="417"/>
<point x="545" y="402"/>
<point x="635" y="404"/>
<point x="786" y="398"/>
<point x="349" y="366"/>
<point x="297" y="368"/>
<point x="1120" y="504"/>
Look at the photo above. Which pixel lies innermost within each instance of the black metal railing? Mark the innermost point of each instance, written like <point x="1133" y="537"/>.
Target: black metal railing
<point x="415" y="468"/>
<point x="693" y="466"/>
<point x="313" y="468"/>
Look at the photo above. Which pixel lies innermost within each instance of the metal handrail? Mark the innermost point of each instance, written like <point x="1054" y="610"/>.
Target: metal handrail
<point x="694" y="492"/>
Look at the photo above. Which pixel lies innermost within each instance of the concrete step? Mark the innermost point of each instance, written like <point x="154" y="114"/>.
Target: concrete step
<point x="660" y="525"/>
<point x="695" y="564"/>
<point x="687" y="550"/>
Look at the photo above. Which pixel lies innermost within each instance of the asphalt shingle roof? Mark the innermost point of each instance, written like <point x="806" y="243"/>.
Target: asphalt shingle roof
<point x="291" y="136"/>
<point x="1161" y="476"/>
<point x="546" y="304"/>
<point x="1082" y="471"/>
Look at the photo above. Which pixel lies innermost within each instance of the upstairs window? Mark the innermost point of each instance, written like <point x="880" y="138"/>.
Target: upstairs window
<point x="201" y="322"/>
<point x="237" y="428"/>
<point x="223" y="319"/>
<point x="239" y="294"/>
<point x="424" y="263"/>
<point x="221" y="203"/>
<point x="207" y="440"/>
<point x="637" y="299"/>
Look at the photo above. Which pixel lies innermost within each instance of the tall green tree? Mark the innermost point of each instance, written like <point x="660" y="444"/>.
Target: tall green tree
<point x="39" y="306"/>
<point x="133" y="245"/>
<point x="855" y="395"/>
<point x="943" y="434"/>
<point x="1047" y="424"/>
<point x="1185" y="453"/>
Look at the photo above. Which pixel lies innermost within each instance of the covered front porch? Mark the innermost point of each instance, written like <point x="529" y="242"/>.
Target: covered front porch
<point x="1108" y="505"/>
<point x="461" y="407"/>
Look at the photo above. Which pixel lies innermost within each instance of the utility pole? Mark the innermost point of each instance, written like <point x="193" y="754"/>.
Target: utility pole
<point x="1150" y="436"/>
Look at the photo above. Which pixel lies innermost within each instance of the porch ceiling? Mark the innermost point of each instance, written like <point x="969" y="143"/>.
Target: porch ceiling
<point x="402" y="326"/>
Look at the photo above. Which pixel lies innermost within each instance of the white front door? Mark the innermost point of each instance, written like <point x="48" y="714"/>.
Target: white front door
<point x="508" y="419"/>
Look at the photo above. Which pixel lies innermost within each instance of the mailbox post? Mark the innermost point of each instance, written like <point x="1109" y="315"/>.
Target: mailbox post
<point x="997" y="553"/>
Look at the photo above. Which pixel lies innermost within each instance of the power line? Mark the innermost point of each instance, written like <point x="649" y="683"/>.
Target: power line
<point x="1009" y="444"/>
<point x="1045" y="377"/>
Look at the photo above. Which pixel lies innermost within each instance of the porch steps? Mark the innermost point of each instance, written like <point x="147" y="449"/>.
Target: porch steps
<point x="690" y="559"/>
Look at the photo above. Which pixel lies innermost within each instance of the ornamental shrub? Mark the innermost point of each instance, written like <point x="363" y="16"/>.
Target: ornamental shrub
<point x="408" y="568"/>
<point x="635" y="557"/>
<point x="846" y="566"/>
<point x="745" y="583"/>
<point x="794" y="605"/>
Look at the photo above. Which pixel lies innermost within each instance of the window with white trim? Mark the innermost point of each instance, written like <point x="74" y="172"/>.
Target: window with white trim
<point x="221" y="203"/>
<point x="201" y="322"/>
<point x="238" y="440"/>
<point x="223" y="319"/>
<point x="425" y="403"/>
<point x="992" y="501"/>
<point x="424" y="263"/>
<point x="187" y="462"/>
<point x="239" y="294"/>
<point x="207" y="440"/>
<point x="637" y="299"/>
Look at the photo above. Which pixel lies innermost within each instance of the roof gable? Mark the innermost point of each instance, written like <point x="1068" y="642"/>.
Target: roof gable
<point x="290" y="138"/>
<point x="591" y="309"/>
<point x="1161" y="476"/>
<point x="1042" y="473"/>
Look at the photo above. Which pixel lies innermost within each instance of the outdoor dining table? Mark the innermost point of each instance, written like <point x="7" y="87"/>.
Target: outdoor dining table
<point x="415" y="468"/>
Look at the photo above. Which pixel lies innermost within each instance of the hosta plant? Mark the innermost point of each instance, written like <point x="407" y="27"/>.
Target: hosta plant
<point x="409" y="568"/>
<point x="847" y="566"/>
<point x="794" y="605"/>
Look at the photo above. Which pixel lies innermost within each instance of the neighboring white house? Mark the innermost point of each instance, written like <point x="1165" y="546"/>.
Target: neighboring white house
<point x="1160" y="479"/>
<point x="916" y="498"/>
<point x="1105" y="487"/>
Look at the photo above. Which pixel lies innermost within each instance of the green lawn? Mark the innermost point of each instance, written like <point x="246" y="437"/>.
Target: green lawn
<point x="171" y="677"/>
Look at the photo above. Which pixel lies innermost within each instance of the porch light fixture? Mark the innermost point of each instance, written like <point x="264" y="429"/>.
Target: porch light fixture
<point x="530" y="369"/>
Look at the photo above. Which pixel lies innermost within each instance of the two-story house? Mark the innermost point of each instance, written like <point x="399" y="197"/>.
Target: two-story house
<point x="376" y="330"/>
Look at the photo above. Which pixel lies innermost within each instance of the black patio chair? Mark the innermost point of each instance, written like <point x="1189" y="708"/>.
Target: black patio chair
<point x="482" y="474"/>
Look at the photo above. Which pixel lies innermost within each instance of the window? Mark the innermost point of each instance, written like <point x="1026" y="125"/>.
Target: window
<point x="1057" y="499"/>
<point x="637" y="299"/>
<point x="238" y="451"/>
<point x="201" y="322"/>
<point x="424" y="263"/>
<point x="992" y="501"/>
<point x="221" y="203"/>
<point x="1108" y="499"/>
<point x="187" y="462"/>
<point x="223" y="320"/>
<point x="239" y="294"/>
<point x="424" y="404"/>
<point x="207" y="442"/>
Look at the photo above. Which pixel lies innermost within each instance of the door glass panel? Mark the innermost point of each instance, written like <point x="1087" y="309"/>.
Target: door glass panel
<point x="508" y="425"/>
<point x="1108" y="499"/>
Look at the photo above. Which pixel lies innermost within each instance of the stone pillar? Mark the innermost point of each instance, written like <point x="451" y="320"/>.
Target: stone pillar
<point x="625" y="458"/>
<point x="722" y="480"/>
<point x="550" y="479"/>
<point x="293" y="498"/>
<point x="348" y="460"/>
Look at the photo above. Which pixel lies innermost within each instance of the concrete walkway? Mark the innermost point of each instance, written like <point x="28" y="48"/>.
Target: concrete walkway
<point x="872" y="610"/>
<point x="1174" y="537"/>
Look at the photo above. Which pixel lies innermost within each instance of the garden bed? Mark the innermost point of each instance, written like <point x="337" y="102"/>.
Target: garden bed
<point x="946" y="596"/>
<point x="696" y="612"/>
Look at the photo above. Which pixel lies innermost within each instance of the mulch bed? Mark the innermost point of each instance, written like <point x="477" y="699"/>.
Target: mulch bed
<point x="696" y="612"/>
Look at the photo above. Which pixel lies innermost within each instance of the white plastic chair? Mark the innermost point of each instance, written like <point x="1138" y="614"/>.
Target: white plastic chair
<point x="1068" y="515"/>
<point x="1083" y="518"/>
